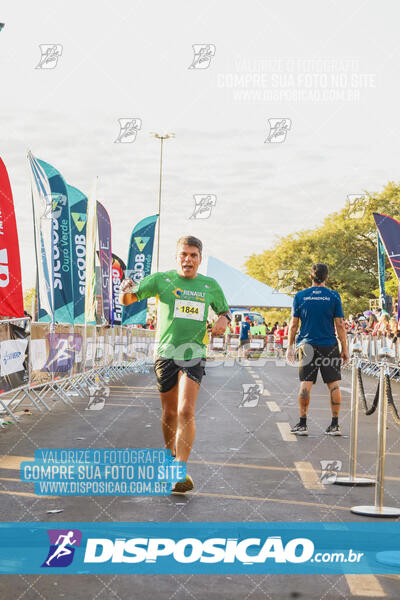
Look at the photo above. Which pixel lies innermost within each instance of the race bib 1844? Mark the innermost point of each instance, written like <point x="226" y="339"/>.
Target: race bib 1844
<point x="187" y="309"/>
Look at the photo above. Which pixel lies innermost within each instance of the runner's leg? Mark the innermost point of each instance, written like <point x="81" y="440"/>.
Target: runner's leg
<point x="304" y="397"/>
<point x="169" y="419"/>
<point x="188" y="392"/>
<point x="335" y="397"/>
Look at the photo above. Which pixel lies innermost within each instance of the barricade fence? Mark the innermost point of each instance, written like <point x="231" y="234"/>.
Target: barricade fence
<point x="231" y="346"/>
<point x="40" y="360"/>
<point x="382" y="400"/>
<point x="370" y="349"/>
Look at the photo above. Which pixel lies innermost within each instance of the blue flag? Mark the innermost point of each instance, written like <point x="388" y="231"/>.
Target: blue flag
<point x="381" y="270"/>
<point x="78" y="219"/>
<point x="61" y="237"/>
<point x="389" y="230"/>
<point x="138" y="266"/>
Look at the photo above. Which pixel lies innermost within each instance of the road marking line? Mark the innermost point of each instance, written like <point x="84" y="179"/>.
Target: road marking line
<point x="284" y="430"/>
<point x="28" y="494"/>
<point x="365" y="585"/>
<point x="12" y="462"/>
<point x="268" y="468"/>
<point x="266" y="392"/>
<point x="134" y="387"/>
<point x="345" y="389"/>
<point x="122" y="404"/>
<point x="263" y="499"/>
<point x="242" y="465"/>
<point x="308" y="476"/>
<point x="374" y="452"/>
<point x="273" y="407"/>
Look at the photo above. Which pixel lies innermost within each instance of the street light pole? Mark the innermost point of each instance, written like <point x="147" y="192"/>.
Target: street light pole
<point x="161" y="138"/>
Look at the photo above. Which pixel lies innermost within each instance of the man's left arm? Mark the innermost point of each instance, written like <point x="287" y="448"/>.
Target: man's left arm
<point x="221" y="307"/>
<point x="341" y="329"/>
<point x="341" y="333"/>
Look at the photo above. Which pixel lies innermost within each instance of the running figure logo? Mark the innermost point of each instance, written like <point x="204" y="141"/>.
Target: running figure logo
<point x="128" y="129"/>
<point x="203" y="54"/>
<point x="356" y="206"/>
<point x="278" y="129"/>
<point x="330" y="470"/>
<point x="251" y="394"/>
<point x="63" y="348"/>
<point x="286" y="281"/>
<point x="61" y="551"/>
<point x="50" y="55"/>
<point x="203" y="204"/>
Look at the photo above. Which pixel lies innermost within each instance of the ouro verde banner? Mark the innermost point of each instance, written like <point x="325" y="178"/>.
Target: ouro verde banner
<point x="78" y="218"/>
<point x="61" y="238"/>
<point x="138" y="266"/>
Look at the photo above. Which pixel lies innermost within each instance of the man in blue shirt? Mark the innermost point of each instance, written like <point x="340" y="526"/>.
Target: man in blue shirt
<point x="244" y="333"/>
<point x="320" y="310"/>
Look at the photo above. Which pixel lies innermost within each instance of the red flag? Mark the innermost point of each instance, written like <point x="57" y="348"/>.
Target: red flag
<point x="11" y="299"/>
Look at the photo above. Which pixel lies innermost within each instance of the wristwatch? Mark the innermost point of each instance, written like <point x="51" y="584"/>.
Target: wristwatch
<point x="226" y="314"/>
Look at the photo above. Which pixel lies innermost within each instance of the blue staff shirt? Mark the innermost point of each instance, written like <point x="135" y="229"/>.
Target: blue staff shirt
<point x="317" y="308"/>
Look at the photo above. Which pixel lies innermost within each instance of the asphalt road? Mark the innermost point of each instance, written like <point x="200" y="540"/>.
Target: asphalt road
<point x="245" y="466"/>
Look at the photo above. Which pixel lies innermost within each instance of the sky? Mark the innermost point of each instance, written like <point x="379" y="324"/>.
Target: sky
<point x="328" y="71"/>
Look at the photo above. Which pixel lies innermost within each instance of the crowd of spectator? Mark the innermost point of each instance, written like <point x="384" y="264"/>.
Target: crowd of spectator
<point x="377" y="322"/>
<point x="248" y="328"/>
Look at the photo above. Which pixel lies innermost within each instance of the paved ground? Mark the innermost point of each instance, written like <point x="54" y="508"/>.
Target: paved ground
<point x="245" y="468"/>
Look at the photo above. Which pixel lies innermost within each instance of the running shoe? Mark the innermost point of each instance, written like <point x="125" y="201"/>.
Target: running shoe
<point x="299" y="429"/>
<point x="181" y="487"/>
<point x="333" y="430"/>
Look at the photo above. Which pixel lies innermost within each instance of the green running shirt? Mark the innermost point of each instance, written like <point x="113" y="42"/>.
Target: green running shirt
<point x="182" y="311"/>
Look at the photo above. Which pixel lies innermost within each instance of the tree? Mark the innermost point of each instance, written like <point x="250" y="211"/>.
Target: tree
<point x="29" y="296"/>
<point x="346" y="241"/>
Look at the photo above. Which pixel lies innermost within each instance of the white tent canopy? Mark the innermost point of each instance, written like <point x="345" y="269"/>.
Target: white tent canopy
<point x="241" y="290"/>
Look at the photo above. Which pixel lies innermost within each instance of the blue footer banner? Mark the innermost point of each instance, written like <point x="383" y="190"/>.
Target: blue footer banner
<point x="195" y="548"/>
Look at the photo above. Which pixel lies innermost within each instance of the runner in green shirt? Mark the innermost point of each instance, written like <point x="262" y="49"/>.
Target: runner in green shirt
<point x="254" y="329"/>
<point x="262" y="329"/>
<point x="184" y="297"/>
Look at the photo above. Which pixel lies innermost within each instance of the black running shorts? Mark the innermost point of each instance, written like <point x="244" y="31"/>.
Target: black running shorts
<point x="166" y="370"/>
<point x="324" y="358"/>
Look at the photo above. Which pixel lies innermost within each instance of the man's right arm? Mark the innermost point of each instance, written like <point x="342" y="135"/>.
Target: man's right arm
<point x="131" y="292"/>
<point x="126" y="296"/>
<point x="293" y="327"/>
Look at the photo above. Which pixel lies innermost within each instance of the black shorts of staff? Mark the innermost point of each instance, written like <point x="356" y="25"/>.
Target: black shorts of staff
<point x="320" y="358"/>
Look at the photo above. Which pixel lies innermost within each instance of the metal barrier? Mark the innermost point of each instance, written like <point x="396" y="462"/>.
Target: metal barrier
<point x="62" y="361"/>
<point x="378" y="509"/>
<point x="14" y="361"/>
<point x="371" y="347"/>
<point x="230" y="345"/>
<point x="352" y="479"/>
